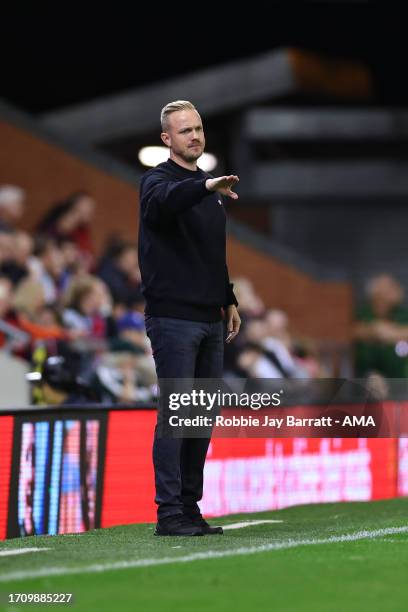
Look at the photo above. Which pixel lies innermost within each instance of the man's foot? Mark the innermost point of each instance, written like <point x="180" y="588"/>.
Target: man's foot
<point x="177" y="525"/>
<point x="199" y="521"/>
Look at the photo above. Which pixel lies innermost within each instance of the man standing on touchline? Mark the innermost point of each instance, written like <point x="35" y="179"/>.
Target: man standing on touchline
<point x="185" y="282"/>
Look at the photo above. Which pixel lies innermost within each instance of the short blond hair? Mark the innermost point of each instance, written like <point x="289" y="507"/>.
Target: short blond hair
<point x="173" y="107"/>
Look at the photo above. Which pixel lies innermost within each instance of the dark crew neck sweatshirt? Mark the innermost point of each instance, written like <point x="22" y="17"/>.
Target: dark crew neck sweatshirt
<point x="182" y="245"/>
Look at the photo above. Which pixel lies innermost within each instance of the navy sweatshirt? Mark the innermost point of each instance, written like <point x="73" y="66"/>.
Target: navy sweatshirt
<point x="182" y="245"/>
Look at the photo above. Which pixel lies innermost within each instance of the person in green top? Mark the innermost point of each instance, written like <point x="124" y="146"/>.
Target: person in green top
<point x="381" y="330"/>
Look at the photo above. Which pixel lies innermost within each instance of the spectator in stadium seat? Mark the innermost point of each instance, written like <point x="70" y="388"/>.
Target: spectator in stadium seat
<point x="22" y="309"/>
<point x="250" y="303"/>
<point x="6" y="246"/>
<point x="381" y="330"/>
<point x="268" y="354"/>
<point x="71" y="219"/>
<point x="59" y="383"/>
<point x="250" y="306"/>
<point x="35" y="317"/>
<point x="47" y="267"/>
<point x="74" y="264"/>
<point x="84" y="309"/>
<point x="119" y="268"/>
<point x="17" y="265"/>
<point x="186" y="284"/>
<point x="131" y="327"/>
<point x="12" y="200"/>
<point x="119" y="377"/>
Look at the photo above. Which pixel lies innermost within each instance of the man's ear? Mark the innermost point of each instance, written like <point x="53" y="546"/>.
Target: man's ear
<point x="165" y="138"/>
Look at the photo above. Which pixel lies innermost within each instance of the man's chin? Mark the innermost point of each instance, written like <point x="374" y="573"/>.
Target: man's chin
<point x="193" y="156"/>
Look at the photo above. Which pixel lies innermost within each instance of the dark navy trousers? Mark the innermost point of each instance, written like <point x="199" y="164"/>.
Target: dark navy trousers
<point x="182" y="349"/>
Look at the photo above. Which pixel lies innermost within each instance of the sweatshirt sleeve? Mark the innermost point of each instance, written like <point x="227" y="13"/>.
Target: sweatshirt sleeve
<point x="162" y="198"/>
<point x="231" y="299"/>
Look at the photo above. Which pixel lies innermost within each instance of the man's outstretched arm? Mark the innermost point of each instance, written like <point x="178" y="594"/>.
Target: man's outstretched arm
<point x="161" y="198"/>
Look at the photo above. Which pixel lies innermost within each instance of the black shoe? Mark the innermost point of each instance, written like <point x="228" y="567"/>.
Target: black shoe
<point x="199" y="521"/>
<point x="177" y="525"/>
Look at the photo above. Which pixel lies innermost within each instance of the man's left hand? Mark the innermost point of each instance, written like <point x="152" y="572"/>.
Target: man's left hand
<point x="233" y="322"/>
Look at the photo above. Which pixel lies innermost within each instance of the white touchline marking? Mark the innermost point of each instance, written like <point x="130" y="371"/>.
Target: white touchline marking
<point x="20" y="551"/>
<point x="250" y="523"/>
<point x="199" y="556"/>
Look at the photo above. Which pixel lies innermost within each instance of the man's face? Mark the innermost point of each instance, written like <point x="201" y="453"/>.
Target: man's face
<point x="185" y="134"/>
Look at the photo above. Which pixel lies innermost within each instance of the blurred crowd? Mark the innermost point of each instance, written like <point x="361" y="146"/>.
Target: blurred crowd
<point x="380" y="336"/>
<point x="265" y="346"/>
<point x="59" y="299"/>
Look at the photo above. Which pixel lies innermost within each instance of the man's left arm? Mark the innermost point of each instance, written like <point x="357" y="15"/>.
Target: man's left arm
<point x="232" y="316"/>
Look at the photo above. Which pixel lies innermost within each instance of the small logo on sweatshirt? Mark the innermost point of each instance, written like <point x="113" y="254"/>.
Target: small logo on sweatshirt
<point x="219" y="202"/>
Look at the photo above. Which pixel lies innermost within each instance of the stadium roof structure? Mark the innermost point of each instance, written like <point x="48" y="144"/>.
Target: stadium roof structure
<point x="233" y="86"/>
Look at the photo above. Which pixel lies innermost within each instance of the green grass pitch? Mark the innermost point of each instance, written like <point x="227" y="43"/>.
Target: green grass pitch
<point x="326" y="557"/>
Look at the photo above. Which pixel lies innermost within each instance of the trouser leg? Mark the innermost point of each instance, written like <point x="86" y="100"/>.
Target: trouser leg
<point x="175" y="345"/>
<point x="209" y="364"/>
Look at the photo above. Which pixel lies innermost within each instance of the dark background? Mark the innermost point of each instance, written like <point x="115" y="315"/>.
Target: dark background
<point x="60" y="55"/>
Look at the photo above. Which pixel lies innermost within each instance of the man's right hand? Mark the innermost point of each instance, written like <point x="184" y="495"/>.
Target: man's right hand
<point x="223" y="184"/>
